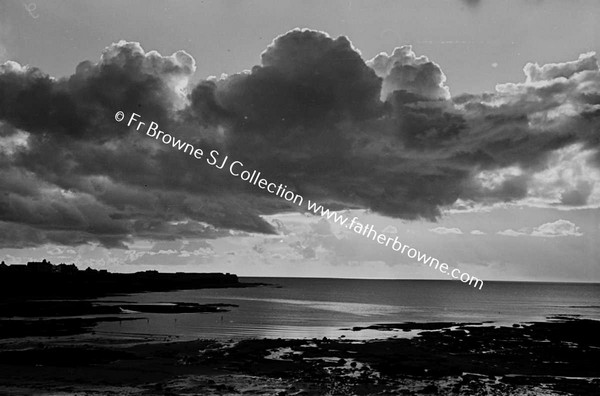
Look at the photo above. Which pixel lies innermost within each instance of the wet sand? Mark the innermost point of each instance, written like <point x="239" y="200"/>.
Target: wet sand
<point x="556" y="357"/>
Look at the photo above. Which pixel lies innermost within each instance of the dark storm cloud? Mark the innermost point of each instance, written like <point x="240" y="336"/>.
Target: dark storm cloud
<point x="311" y="115"/>
<point x="382" y="134"/>
<point x="82" y="178"/>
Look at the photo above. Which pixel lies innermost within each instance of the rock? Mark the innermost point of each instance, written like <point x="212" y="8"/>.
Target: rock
<point x="429" y="389"/>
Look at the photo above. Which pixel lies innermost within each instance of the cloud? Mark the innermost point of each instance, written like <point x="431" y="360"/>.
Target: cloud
<point x="444" y="230"/>
<point x="403" y="70"/>
<point x="314" y="106"/>
<point x="382" y="135"/>
<point x="553" y="71"/>
<point x="390" y="230"/>
<point x="559" y="228"/>
<point x="530" y="131"/>
<point x="477" y="232"/>
<point x="569" y="179"/>
<point x="511" y="233"/>
<point x="75" y="177"/>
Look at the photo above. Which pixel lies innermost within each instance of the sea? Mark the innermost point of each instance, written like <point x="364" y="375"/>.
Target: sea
<point x="317" y="308"/>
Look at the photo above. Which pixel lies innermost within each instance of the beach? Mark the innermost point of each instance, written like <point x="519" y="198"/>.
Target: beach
<point x="157" y="346"/>
<point x="556" y="357"/>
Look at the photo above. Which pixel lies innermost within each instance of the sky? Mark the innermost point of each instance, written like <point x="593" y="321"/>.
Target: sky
<point x="468" y="129"/>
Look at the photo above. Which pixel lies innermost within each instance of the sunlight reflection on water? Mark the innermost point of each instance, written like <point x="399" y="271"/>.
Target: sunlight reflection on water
<point x="316" y="308"/>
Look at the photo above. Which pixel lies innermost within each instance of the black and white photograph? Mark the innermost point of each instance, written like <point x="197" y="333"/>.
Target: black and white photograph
<point x="299" y="197"/>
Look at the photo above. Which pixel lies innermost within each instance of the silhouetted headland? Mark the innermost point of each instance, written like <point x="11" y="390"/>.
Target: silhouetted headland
<point x="45" y="280"/>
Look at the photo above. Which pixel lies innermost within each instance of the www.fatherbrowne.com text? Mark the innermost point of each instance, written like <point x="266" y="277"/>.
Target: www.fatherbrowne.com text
<point x="237" y="169"/>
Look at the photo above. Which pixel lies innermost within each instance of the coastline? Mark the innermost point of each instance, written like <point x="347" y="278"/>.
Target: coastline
<point x="43" y="280"/>
<point x="54" y="346"/>
<point x="452" y="358"/>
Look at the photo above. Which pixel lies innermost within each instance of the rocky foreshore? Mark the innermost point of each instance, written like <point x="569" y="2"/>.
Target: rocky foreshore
<point x="545" y="358"/>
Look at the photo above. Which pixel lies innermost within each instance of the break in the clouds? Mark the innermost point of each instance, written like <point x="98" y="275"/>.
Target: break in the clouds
<point x="382" y="134"/>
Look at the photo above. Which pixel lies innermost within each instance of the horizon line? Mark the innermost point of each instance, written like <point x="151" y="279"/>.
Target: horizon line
<point x="415" y="279"/>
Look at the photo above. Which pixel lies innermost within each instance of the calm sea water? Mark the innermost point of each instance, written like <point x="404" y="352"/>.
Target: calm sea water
<point x="309" y="308"/>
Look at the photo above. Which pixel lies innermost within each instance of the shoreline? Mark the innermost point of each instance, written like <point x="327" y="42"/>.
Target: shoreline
<point x="446" y="358"/>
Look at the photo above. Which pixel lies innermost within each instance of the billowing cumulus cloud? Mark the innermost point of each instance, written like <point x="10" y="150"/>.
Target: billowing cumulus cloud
<point x="405" y="71"/>
<point x="539" y="137"/>
<point x="383" y="135"/>
<point x="536" y="73"/>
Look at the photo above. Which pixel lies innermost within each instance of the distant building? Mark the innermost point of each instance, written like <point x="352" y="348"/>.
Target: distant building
<point x="40" y="266"/>
<point x="17" y="268"/>
<point x="66" y="268"/>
